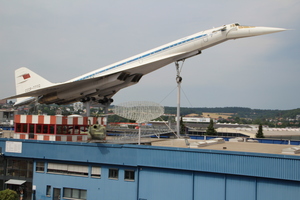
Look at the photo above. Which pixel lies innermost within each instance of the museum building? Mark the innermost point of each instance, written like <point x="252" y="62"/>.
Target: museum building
<point x="75" y="170"/>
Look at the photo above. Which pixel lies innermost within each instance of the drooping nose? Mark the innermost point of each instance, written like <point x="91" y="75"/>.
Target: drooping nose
<point x="264" y="30"/>
<point x="249" y="31"/>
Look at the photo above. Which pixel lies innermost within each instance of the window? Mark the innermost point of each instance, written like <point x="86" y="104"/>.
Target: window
<point x="96" y="172"/>
<point x="74" y="193"/>
<point x="48" y="191"/>
<point x="129" y="175"/>
<point x="45" y="129"/>
<point x="57" y="168"/>
<point x="2" y="168"/>
<point x="18" y="128"/>
<point x="113" y="174"/>
<point x="51" y="129"/>
<point x="24" y="130"/>
<point x="40" y="167"/>
<point x="76" y="170"/>
<point x="61" y="129"/>
<point x="19" y="168"/>
<point x="31" y="128"/>
<point x="38" y="128"/>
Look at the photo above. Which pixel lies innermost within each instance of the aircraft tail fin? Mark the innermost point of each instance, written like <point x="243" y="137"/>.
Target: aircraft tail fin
<point x="27" y="81"/>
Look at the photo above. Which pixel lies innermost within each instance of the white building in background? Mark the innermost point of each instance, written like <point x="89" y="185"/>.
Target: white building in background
<point x="197" y="119"/>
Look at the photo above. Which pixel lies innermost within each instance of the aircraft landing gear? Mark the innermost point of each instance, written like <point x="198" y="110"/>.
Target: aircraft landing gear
<point x="105" y="101"/>
<point x="87" y="101"/>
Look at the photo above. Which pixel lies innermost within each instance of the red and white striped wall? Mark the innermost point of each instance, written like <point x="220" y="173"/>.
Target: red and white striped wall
<point x="47" y="137"/>
<point x="24" y="122"/>
<point x="59" y="120"/>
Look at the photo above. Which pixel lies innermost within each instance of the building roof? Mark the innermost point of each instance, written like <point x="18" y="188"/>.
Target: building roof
<point x="228" y="146"/>
<point x="199" y="160"/>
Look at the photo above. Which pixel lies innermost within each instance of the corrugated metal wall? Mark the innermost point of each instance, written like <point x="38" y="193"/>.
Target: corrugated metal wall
<point x="228" y="162"/>
<point x="165" y="184"/>
<point x="237" y="187"/>
<point x="277" y="189"/>
<point x="209" y="186"/>
<point x="166" y="173"/>
<point x="158" y="184"/>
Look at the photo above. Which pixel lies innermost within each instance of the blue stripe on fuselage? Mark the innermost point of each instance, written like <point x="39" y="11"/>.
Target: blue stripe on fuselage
<point x="146" y="55"/>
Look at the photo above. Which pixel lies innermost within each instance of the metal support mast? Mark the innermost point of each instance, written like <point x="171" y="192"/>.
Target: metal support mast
<point x="178" y="80"/>
<point x="140" y="130"/>
<point x="106" y="114"/>
<point x="88" y="108"/>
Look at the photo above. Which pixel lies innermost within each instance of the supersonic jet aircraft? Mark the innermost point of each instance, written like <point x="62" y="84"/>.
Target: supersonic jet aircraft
<point x="100" y="85"/>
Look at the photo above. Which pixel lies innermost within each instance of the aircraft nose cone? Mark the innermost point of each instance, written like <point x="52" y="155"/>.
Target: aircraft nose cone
<point x="264" y="30"/>
<point x="249" y="31"/>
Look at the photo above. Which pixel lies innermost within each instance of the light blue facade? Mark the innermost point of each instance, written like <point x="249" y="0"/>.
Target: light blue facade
<point x="103" y="187"/>
<point x="163" y="172"/>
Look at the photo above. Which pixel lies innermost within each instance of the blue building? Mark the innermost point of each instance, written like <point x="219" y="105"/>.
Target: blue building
<point x="93" y="171"/>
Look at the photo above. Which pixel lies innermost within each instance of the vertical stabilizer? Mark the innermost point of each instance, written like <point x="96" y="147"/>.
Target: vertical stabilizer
<point x="27" y="81"/>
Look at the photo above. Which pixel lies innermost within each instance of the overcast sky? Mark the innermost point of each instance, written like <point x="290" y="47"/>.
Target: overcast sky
<point x="60" y="40"/>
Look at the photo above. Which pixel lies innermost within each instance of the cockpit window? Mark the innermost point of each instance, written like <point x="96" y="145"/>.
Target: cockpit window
<point x="240" y="27"/>
<point x="234" y="25"/>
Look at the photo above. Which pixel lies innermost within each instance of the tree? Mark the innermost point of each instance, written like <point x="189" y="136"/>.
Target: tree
<point x="8" y="195"/>
<point x="260" y="133"/>
<point x="182" y="126"/>
<point x="210" y="129"/>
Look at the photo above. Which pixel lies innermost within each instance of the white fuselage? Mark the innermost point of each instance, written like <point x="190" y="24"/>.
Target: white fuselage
<point x="101" y="84"/>
<point x="168" y="53"/>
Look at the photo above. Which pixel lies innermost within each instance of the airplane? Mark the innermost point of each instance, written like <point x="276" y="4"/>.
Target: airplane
<point x="99" y="86"/>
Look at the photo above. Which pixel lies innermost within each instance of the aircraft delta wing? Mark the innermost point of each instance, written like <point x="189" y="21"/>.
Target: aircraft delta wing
<point x="100" y="85"/>
<point x="90" y="87"/>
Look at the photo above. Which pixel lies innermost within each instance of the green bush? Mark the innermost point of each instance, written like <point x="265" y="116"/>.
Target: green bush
<point x="8" y="195"/>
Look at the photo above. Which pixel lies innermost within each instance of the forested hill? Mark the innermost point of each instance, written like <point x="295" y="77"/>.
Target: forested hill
<point x="239" y="112"/>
